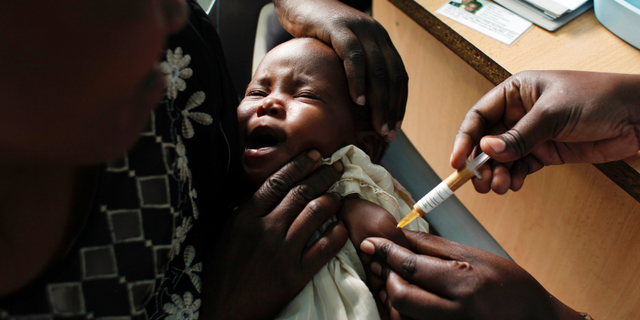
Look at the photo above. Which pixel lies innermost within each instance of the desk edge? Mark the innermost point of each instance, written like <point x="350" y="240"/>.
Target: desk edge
<point x="473" y="56"/>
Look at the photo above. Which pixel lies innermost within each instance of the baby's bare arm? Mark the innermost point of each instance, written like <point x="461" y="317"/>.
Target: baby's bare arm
<point x="365" y="219"/>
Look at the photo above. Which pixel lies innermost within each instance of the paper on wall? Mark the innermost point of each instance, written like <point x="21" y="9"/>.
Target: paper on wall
<point x="486" y="18"/>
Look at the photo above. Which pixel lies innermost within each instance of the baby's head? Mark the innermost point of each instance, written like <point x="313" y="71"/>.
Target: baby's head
<point x="298" y="100"/>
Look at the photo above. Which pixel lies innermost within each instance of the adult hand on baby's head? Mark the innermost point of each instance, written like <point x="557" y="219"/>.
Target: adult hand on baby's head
<point x="262" y="262"/>
<point x="541" y="118"/>
<point x="374" y="69"/>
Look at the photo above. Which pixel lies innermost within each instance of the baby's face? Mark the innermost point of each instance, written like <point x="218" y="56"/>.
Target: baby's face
<point x="298" y="100"/>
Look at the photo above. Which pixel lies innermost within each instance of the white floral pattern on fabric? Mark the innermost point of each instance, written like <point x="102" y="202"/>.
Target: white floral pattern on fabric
<point x="195" y="100"/>
<point x="185" y="174"/>
<point x="175" y="70"/>
<point x="182" y="163"/>
<point x="189" y="255"/>
<point x="182" y="309"/>
<point x="180" y="236"/>
<point x="193" y="194"/>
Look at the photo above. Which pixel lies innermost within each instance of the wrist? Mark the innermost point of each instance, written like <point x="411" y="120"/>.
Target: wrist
<point x="300" y="17"/>
<point x="629" y="94"/>
<point x="633" y="103"/>
<point x="562" y="312"/>
<point x="290" y="17"/>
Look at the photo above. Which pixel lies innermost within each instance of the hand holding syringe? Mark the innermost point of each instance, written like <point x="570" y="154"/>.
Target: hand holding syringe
<point x="445" y="189"/>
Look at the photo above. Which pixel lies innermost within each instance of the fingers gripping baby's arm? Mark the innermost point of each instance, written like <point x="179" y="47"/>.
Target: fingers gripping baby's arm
<point x="365" y="219"/>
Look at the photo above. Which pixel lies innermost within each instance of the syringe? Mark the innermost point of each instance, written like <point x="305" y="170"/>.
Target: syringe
<point x="445" y="189"/>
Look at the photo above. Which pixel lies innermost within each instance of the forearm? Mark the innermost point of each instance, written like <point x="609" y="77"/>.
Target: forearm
<point x="627" y="91"/>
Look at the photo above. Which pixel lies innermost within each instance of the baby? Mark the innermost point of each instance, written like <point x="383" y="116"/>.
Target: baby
<point x="298" y="100"/>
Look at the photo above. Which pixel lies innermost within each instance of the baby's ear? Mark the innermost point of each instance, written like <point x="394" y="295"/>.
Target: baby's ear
<point x="372" y="144"/>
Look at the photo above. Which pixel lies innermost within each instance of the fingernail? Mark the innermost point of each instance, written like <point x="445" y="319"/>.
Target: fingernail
<point x="367" y="247"/>
<point x="385" y="129"/>
<point x="453" y="152"/>
<point x="391" y="135"/>
<point x="497" y="145"/>
<point x="341" y="198"/>
<point x="399" y="125"/>
<point x="376" y="268"/>
<point x="338" y="165"/>
<point x="383" y="295"/>
<point x="361" y="100"/>
<point x="314" y="155"/>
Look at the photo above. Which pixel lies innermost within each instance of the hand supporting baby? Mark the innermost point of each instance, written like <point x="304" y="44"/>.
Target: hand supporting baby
<point x="262" y="261"/>
<point x="365" y="219"/>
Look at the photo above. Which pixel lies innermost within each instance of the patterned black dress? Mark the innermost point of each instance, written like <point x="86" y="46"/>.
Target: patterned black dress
<point x="156" y="211"/>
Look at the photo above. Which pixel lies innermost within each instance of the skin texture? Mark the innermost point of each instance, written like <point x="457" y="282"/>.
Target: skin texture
<point x="77" y="112"/>
<point x="531" y="120"/>
<point x="97" y="79"/>
<point x="541" y="118"/>
<point x="261" y="261"/>
<point x="62" y="110"/>
<point x="375" y="72"/>
<point x="365" y="219"/>
<point x="435" y="278"/>
<point x="298" y="97"/>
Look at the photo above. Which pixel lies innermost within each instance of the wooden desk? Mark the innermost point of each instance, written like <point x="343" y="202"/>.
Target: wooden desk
<point x="571" y="227"/>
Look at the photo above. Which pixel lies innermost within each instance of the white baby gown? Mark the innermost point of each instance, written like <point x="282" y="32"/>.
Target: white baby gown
<point x="338" y="290"/>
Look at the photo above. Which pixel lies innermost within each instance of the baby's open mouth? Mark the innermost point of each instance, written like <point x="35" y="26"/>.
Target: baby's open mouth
<point x="262" y="137"/>
<point x="263" y="141"/>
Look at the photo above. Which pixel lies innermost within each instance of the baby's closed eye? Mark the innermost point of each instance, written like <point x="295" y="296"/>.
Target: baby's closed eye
<point x="308" y="94"/>
<point x="255" y="92"/>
